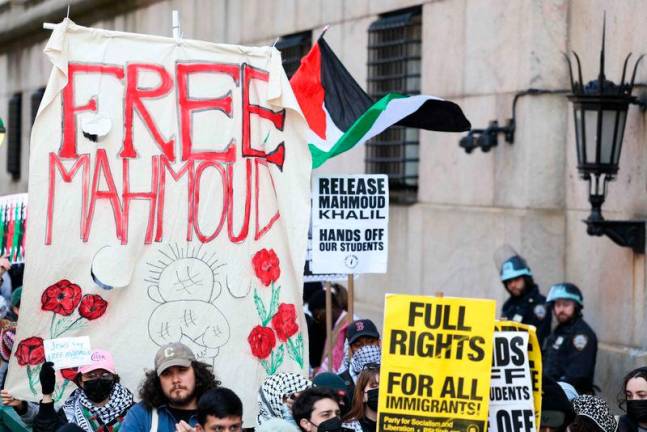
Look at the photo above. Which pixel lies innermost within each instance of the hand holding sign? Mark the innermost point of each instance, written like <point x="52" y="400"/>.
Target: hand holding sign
<point x="47" y="378"/>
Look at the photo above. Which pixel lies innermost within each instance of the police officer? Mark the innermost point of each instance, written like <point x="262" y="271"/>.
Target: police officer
<point x="526" y="304"/>
<point x="569" y="352"/>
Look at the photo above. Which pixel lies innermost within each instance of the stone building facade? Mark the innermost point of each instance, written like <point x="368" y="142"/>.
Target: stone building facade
<point x="479" y="53"/>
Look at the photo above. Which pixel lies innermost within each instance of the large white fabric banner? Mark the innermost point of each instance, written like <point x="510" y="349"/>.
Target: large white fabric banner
<point x="169" y="201"/>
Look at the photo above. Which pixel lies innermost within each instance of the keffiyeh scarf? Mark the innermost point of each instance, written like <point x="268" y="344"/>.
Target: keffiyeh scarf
<point x="345" y="364"/>
<point x="119" y="401"/>
<point x="363" y="356"/>
<point x="274" y="389"/>
<point x="597" y="410"/>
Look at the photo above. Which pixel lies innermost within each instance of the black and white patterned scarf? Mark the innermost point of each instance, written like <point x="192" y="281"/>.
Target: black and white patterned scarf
<point x="119" y="401"/>
<point x="274" y="389"/>
<point x="345" y="364"/>
<point x="597" y="410"/>
<point x="363" y="356"/>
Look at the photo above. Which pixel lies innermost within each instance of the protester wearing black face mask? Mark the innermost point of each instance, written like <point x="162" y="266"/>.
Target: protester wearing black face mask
<point x="364" y="409"/>
<point x="317" y="410"/>
<point x="634" y="400"/>
<point x="99" y="404"/>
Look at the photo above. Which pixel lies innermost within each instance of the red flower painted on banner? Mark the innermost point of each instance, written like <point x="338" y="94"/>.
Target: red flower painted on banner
<point x="266" y="266"/>
<point x="261" y="341"/>
<point x="285" y="322"/>
<point x="30" y="351"/>
<point x="61" y="298"/>
<point x="92" y="306"/>
<point x="69" y="373"/>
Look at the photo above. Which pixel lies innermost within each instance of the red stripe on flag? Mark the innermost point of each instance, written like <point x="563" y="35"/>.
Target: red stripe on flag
<point x="308" y="89"/>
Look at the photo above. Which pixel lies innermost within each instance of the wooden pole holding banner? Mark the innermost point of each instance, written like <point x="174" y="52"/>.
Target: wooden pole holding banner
<point x="329" y="325"/>
<point x="351" y="298"/>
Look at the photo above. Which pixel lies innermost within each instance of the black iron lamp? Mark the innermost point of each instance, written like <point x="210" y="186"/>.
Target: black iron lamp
<point x="600" y="111"/>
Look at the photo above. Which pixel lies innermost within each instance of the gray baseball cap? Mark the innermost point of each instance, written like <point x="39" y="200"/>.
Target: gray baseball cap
<point x="173" y="354"/>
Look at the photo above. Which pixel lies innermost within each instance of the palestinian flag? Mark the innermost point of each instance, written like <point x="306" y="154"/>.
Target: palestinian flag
<point x="341" y="115"/>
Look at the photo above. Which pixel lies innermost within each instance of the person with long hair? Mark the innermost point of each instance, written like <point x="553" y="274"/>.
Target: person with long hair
<point x="364" y="408"/>
<point x="170" y="392"/>
<point x="633" y="400"/>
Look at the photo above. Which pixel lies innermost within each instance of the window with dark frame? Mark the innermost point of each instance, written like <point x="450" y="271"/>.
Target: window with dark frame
<point x="293" y="47"/>
<point x="36" y="97"/>
<point x="14" y="136"/>
<point x="394" y="65"/>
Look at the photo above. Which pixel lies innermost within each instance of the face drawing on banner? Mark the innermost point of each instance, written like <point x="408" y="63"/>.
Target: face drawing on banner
<point x="184" y="283"/>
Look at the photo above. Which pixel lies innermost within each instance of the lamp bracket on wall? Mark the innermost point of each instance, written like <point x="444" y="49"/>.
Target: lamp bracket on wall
<point x="623" y="233"/>
<point x="641" y="99"/>
<point x="487" y="138"/>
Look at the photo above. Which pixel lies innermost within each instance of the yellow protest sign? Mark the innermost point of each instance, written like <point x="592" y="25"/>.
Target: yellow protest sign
<point x="436" y="363"/>
<point x="534" y="359"/>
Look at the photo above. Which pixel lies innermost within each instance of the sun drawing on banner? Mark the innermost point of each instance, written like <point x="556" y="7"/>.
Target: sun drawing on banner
<point x="186" y="282"/>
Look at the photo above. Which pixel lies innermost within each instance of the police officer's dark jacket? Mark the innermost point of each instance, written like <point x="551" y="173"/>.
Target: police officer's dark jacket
<point x="569" y="354"/>
<point x="529" y="308"/>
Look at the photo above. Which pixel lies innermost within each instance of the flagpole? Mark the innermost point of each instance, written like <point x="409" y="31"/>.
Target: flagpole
<point x="329" y="325"/>
<point x="323" y="32"/>
<point x="175" y="20"/>
<point x="351" y="298"/>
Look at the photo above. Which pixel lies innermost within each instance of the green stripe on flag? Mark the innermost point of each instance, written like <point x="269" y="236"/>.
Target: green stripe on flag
<point x="16" y="232"/>
<point x="355" y="133"/>
<point x="2" y="216"/>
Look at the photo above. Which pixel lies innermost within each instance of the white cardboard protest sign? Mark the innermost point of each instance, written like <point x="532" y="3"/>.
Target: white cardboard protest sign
<point x="350" y="218"/>
<point x="68" y="352"/>
<point x="309" y="275"/>
<point x="511" y="397"/>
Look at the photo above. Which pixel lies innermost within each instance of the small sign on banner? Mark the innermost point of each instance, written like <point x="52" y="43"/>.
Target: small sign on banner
<point x="511" y="396"/>
<point x="350" y="218"/>
<point x="68" y="352"/>
<point x="436" y="364"/>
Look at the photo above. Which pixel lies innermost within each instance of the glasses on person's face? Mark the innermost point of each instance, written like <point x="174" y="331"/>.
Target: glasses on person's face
<point x="96" y="375"/>
<point x="290" y="396"/>
<point x="371" y="366"/>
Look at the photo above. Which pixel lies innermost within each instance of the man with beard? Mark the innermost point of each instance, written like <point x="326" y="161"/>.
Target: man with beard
<point x="526" y="304"/>
<point x="169" y="394"/>
<point x="569" y="352"/>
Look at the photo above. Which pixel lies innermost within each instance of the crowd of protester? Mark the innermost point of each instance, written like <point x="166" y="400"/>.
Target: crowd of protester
<point x="181" y="394"/>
